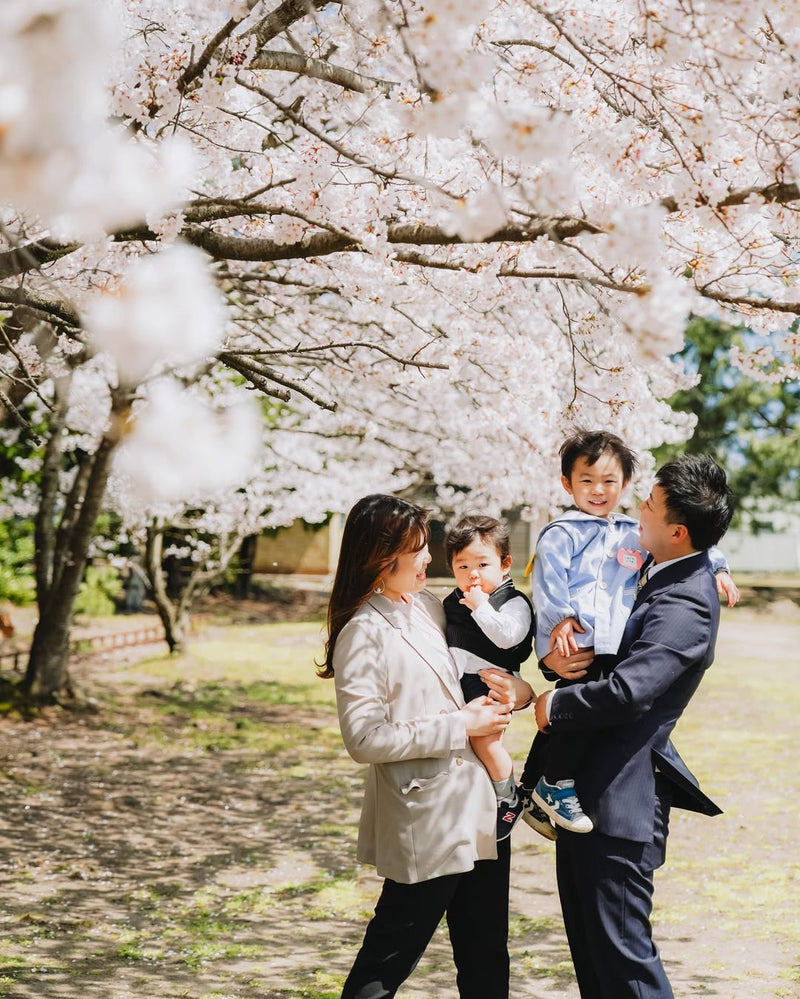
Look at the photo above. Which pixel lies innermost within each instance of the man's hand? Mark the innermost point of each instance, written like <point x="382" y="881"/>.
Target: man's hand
<point x="541" y="711"/>
<point x="727" y="588"/>
<point x="571" y="667"/>
<point x="562" y="637"/>
<point x="474" y="597"/>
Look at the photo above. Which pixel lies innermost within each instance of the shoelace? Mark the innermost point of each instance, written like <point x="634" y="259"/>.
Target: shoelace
<point x="571" y="804"/>
<point x="567" y="800"/>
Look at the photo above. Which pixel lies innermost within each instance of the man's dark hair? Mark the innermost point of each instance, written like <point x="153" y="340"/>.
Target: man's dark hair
<point x="697" y="495"/>
<point x="495" y="532"/>
<point x="593" y="444"/>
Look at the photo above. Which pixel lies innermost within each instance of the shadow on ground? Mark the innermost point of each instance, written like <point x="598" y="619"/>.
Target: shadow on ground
<point x="182" y="844"/>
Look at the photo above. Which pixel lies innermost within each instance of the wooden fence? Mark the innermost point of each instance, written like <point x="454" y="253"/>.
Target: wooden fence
<point x="16" y="658"/>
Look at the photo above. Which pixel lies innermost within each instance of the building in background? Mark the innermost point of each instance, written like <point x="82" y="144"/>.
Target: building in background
<point x="767" y="542"/>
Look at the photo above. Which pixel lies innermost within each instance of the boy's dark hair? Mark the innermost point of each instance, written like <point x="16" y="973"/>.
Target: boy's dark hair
<point x="697" y="495"/>
<point x="591" y="445"/>
<point x="495" y="532"/>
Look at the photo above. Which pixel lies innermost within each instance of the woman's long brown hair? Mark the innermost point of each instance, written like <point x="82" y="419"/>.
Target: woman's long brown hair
<point x="377" y="530"/>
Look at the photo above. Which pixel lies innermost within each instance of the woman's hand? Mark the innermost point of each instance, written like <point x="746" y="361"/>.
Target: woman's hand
<point x="507" y="688"/>
<point x="484" y="716"/>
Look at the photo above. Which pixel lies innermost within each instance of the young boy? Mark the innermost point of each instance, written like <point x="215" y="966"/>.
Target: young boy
<point x="585" y="577"/>
<point x="489" y="623"/>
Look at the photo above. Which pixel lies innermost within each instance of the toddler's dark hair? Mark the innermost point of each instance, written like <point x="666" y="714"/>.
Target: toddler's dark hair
<point x="495" y="532"/>
<point x="591" y="445"/>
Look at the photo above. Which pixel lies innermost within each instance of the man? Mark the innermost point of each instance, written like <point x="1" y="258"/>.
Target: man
<point x="632" y="774"/>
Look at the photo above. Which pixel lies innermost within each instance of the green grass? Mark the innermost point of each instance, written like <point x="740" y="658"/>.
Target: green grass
<point x="283" y="654"/>
<point x="219" y="695"/>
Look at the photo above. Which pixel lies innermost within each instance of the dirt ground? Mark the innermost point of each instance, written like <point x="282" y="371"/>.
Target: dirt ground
<point x="124" y="857"/>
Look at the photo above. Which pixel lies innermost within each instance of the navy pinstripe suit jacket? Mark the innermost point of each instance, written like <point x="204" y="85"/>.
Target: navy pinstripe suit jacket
<point x="667" y="646"/>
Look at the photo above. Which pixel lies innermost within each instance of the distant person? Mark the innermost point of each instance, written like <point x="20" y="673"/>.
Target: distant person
<point x="428" y="820"/>
<point x="633" y="774"/>
<point x="585" y="574"/>
<point x="489" y="623"/>
<point x="135" y="588"/>
<point x="7" y="629"/>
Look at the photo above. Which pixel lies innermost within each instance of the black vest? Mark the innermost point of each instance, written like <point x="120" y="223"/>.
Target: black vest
<point x="463" y="632"/>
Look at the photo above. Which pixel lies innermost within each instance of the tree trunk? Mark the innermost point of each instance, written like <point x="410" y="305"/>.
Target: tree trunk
<point x="176" y="615"/>
<point x="47" y="675"/>
<point x="176" y="624"/>
<point x="60" y="562"/>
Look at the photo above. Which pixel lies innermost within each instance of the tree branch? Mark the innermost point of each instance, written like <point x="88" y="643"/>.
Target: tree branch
<point x="226" y="247"/>
<point x="48" y="308"/>
<point x="344" y="345"/>
<point x="319" y="244"/>
<point x="284" y="17"/>
<point x="769" y="304"/>
<point x="265" y="378"/>
<point x="197" y="68"/>
<point x="778" y="193"/>
<point x="19" y="419"/>
<point x="319" y="69"/>
<point x="32" y="256"/>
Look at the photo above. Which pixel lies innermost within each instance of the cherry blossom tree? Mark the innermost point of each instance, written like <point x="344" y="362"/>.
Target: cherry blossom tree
<point x="433" y="234"/>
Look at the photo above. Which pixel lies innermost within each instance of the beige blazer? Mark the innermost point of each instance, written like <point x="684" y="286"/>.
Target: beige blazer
<point x="429" y="809"/>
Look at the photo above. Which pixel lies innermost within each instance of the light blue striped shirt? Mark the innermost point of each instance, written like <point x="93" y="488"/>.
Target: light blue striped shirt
<point x="587" y="567"/>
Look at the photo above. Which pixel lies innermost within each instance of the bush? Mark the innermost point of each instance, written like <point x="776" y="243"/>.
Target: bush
<point x="16" y="562"/>
<point x="98" y="592"/>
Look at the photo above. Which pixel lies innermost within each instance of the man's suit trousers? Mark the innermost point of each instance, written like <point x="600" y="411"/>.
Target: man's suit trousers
<point x="606" y="889"/>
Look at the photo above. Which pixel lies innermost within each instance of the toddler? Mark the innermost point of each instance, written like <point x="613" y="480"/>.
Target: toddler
<point x="489" y="623"/>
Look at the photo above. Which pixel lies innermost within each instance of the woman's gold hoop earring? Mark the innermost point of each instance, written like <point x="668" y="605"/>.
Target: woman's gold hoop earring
<point x="379" y="587"/>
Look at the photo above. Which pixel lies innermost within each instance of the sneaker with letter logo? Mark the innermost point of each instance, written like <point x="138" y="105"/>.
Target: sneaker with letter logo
<point x="507" y="814"/>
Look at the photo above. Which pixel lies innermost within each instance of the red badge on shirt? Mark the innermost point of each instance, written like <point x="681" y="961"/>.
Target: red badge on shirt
<point x="630" y="558"/>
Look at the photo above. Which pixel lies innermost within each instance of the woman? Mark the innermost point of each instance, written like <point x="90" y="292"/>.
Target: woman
<point x="428" y="820"/>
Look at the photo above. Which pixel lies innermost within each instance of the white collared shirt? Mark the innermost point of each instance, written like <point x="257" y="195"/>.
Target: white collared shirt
<point x="655" y="567"/>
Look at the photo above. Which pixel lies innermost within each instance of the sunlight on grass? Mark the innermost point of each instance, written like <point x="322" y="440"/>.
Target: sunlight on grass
<point x="534" y="966"/>
<point x="520" y="926"/>
<point x="342" y="898"/>
<point x="215" y="692"/>
<point x="219" y="696"/>
<point x="254" y="901"/>
<point x="200" y="953"/>
<point x="282" y="653"/>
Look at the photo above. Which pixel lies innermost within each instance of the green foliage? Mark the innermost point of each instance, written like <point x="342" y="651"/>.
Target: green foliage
<point x="100" y="586"/>
<point x="752" y="428"/>
<point x="16" y="561"/>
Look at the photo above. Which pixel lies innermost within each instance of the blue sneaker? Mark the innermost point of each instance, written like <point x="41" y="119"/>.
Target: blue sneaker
<point x="533" y="816"/>
<point x="507" y="815"/>
<point x="561" y="803"/>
